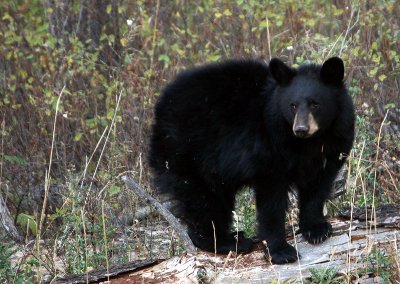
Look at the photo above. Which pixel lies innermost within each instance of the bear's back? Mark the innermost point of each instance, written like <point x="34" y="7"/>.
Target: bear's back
<point x="208" y="112"/>
<point x="217" y="88"/>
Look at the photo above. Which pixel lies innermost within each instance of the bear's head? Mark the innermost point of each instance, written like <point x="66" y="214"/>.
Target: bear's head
<point x="308" y="96"/>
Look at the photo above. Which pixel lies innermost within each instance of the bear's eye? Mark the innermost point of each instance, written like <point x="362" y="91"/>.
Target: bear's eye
<point x="315" y="105"/>
<point x="293" y="106"/>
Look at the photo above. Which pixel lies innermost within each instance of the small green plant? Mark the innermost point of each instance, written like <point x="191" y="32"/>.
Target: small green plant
<point x="6" y="269"/>
<point x="87" y="238"/>
<point x="22" y="271"/>
<point x="246" y="210"/>
<point x="327" y="275"/>
<point x="378" y="263"/>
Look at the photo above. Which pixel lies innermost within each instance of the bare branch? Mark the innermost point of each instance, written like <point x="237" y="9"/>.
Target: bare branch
<point x="171" y="219"/>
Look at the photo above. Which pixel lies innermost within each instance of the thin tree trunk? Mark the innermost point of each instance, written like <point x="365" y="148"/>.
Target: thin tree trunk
<point x="7" y="222"/>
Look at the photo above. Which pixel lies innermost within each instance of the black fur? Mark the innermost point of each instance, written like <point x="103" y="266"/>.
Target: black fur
<point x="223" y="126"/>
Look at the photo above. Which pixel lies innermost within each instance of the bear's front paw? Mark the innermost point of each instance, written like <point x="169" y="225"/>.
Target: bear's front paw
<point x="282" y="254"/>
<point x="317" y="233"/>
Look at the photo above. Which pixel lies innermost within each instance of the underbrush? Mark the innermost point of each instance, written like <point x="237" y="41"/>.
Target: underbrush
<point x="76" y="110"/>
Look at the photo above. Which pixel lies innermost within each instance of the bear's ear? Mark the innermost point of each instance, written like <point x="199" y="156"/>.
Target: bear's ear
<point x="332" y="71"/>
<point x="282" y="73"/>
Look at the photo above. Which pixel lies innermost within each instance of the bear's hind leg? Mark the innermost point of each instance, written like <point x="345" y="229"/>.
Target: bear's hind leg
<point x="207" y="213"/>
<point x="210" y="229"/>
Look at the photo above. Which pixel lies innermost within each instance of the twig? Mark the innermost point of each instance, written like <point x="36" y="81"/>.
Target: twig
<point x="171" y="219"/>
<point x="268" y="39"/>
<point x="48" y="175"/>
<point x="102" y="150"/>
<point x="47" y="182"/>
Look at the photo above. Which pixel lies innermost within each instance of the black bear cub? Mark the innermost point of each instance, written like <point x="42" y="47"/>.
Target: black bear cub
<point x="223" y="126"/>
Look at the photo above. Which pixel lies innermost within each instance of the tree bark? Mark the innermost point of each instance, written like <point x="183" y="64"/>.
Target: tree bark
<point x="7" y="222"/>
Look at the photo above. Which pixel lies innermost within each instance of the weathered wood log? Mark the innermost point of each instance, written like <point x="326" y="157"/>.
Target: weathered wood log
<point x="104" y="274"/>
<point x="347" y="250"/>
<point x="146" y="211"/>
<point x="164" y="212"/>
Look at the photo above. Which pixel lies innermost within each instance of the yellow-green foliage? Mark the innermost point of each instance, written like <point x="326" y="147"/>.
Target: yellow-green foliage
<point x="163" y="37"/>
<point x="139" y="47"/>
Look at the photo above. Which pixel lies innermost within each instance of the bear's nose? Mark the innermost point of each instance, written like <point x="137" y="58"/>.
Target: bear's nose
<point x="301" y="131"/>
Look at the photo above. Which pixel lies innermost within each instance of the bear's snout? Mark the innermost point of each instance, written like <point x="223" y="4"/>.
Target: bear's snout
<point x="304" y="125"/>
<point x="301" y="131"/>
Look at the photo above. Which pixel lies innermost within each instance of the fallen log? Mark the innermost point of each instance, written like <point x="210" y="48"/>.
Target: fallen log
<point x="357" y="234"/>
<point x="104" y="274"/>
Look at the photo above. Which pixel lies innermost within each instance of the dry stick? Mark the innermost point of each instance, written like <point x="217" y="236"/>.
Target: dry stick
<point x="105" y="240"/>
<point x="153" y="41"/>
<point x="297" y="249"/>
<point x="235" y="216"/>
<point x="373" y="213"/>
<point x="86" y="245"/>
<point x="48" y="176"/>
<point x="171" y="219"/>
<point x="2" y="131"/>
<point x="102" y="150"/>
<point x="348" y="259"/>
<point x="215" y="247"/>
<point x="349" y="28"/>
<point x="47" y="180"/>
<point x="268" y="39"/>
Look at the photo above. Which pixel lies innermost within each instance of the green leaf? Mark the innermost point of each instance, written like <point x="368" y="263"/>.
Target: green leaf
<point x="91" y="123"/>
<point x="338" y="12"/>
<point x="263" y="25"/>
<point x="108" y="9"/>
<point x="6" y="100"/>
<point x="382" y="77"/>
<point x="373" y="71"/>
<point x="376" y="58"/>
<point x="123" y="41"/>
<point x="214" y="57"/>
<point x="8" y="17"/>
<point x="227" y="12"/>
<point x="114" y="190"/>
<point x="78" y="136"/>
<point x="111" y="38"/>
<point x="110" y="113"/>
<point x="25" y="220"/>
<point x="390" y="106"/>
<point x="164" y="58"/>
<point x="15" y="159"/>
